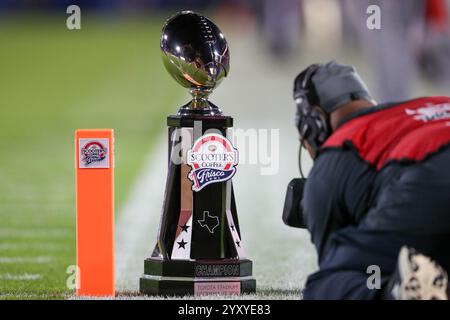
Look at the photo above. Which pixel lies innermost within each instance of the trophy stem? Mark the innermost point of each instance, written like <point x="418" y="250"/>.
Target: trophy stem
<point x="200" y="98"/>
<point x="199" y="105"/>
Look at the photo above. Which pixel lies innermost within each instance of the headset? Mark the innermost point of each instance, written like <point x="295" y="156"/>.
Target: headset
<point x="313" y="125"/>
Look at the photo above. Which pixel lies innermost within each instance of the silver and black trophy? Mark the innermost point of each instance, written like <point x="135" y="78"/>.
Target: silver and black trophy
<point x="199" y="249"/>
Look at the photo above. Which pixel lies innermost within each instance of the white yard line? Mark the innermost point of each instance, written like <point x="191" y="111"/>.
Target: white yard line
<point x="21" y="277"/>
<point x="38" y="259"/>
<point x="47" y="246"/>
<point x="35" y="233"/>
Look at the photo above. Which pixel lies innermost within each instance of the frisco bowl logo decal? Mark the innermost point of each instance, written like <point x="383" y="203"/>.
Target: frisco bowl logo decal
<point x="93" y="152"/>
<point x="213" y="159"/>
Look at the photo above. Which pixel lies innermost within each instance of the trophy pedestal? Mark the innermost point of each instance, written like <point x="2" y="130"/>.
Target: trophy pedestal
<point x="199" y="249"/>
<point x="200" y="277"/>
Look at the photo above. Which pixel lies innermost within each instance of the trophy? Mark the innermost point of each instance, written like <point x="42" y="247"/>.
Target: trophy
<point x="199" y="249"/>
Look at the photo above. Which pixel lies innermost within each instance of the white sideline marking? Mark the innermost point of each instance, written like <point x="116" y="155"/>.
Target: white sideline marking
<point x="39" y="259"/>
<point x="139" y="217"/>
<point x="20" y="277"/>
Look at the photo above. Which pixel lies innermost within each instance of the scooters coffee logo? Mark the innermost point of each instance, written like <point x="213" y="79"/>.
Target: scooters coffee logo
<point x="94" y="153"/>
<point x="213" y="159"/>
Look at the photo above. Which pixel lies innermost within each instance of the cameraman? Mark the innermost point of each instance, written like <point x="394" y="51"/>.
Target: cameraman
<point x="379" y="191"/>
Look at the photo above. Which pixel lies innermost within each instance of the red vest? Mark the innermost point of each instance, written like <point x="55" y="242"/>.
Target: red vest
<point x="407" y="131"/>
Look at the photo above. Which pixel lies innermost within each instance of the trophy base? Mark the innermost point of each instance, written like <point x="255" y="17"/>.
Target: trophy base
<point x="197" y="277"/>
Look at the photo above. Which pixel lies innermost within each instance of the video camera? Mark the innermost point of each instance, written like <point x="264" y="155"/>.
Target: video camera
<point x="293" y="211"/>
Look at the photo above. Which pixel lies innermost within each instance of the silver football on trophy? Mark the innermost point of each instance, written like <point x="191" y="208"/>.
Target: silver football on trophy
<point x="195" y="52"/>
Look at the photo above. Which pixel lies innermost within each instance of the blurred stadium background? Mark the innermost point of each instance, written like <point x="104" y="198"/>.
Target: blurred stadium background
<point x="109" y="75"/>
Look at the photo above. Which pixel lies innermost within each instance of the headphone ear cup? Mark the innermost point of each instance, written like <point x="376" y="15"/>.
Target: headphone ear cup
<point x="321" y="126"/>
<point x="311" y="124"/>
<point x="317" y="128"/>
<point x="301" y="113"/>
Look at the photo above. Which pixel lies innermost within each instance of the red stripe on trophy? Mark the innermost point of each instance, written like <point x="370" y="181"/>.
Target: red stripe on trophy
<point x="185" y="200"/>
<point x="185" y="215"/>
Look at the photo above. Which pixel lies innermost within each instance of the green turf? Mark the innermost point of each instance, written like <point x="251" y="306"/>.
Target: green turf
<point x="109" y="74"/>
